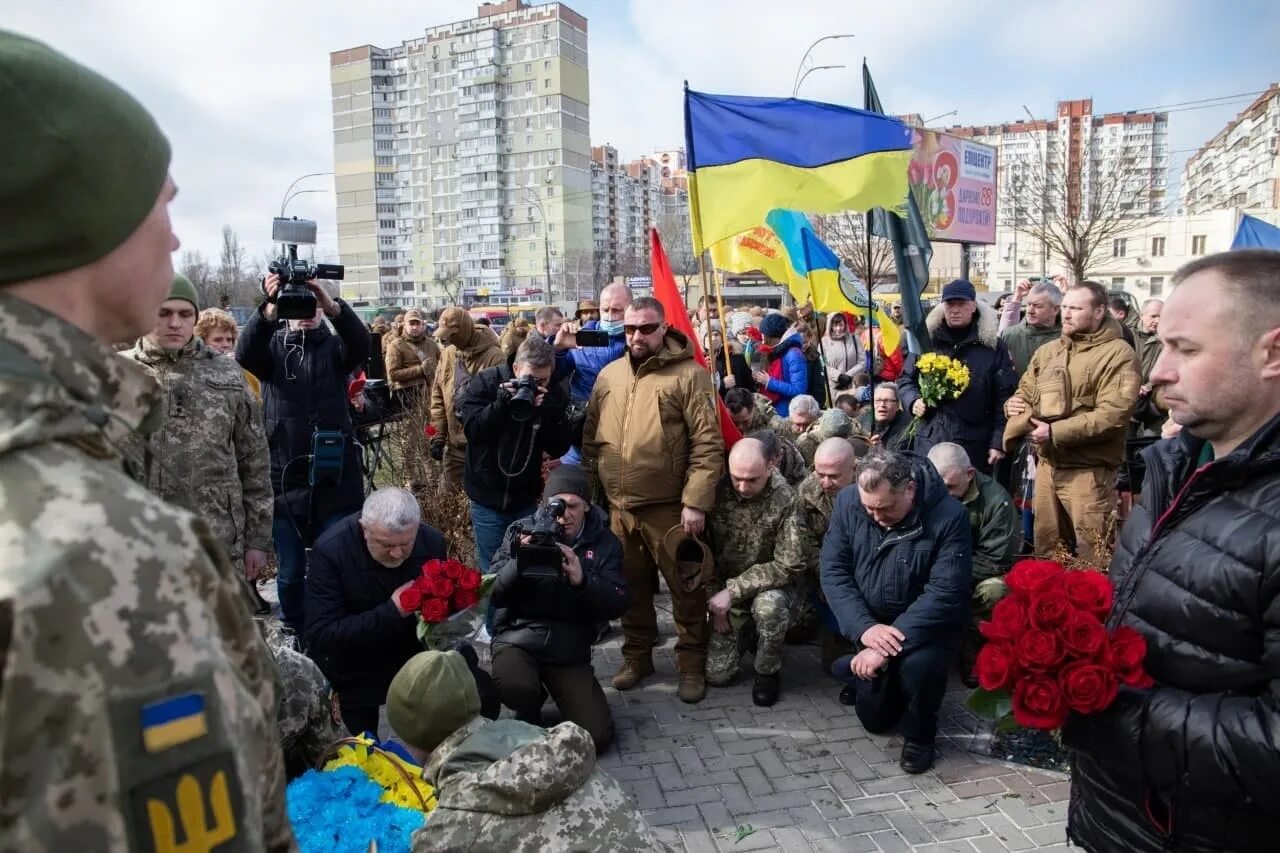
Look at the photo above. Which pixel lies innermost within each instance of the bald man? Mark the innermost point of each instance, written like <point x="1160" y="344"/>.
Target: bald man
<point x="756" y="532"/>
<point x="834" y="466"/>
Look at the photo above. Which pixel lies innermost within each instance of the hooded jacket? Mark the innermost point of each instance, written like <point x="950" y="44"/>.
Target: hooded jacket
<point x="976" y="418"/>
<point x="551" y="620"/>
<point x="844" y="356"/>
<point x="1086" y="387"/>
<point x="1023" y="340"/>
<point x="111" y="599"/>
<point x="304" y="378"/>
<point x="211" y="456"/>
<point x="503" y="786"/>
<point x="1197" y="573"/>
<point x="469" y="351"/>
<point x="652" y="432"/>
<point x="914" y="576"/>
<point x="788" y="372"/>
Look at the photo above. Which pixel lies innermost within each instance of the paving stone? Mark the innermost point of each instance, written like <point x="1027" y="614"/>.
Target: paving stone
<point x="951" y="830"/>
<point x="801" y="782"/>
<point x="979" y="788"/>
<point x="1057" y="792"/>
<point x="847" y="844"/>
<point x="911" y="829"/>
<point x="716" y="816"/>
<point x="846" y="788"/>
<point x="669" y="816"/>
<point x="1044" y="836"/>
<point x="874" y="805"/>
<point x="699" y="841"/>
<point x="761" y="839"/>
<point x="669" y="776"/>
<point x="779" y="817"/>
<point x="754" y="781"/>
<point x="736" y="800"/>
<point x="828" y="804"/>
<point x="791" y="840"/>
<point x="890" y="842"/>
<point x="693" y="796"/>
<point x="861" y="824"/>
<point x="894" y="785"/>
<point x="1012" y="837"/>
<point x="812" y="824"/>
<point x="966" y="808"/>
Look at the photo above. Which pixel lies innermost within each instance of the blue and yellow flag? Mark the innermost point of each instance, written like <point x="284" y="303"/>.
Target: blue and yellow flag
<point x="748" y="156"/>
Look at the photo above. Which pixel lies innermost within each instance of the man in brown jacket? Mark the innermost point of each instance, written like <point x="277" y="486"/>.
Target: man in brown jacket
<point x="1073" y="404"/>
<point x="652" y="440"/>
<point x="411" y="360"/>
<point x="467" y="351"/>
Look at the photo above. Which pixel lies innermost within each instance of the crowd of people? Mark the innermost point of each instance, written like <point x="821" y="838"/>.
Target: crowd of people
<point x="152" y="456"/>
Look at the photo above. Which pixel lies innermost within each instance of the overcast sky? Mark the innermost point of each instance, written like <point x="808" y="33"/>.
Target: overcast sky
<point x="242" y="87"/>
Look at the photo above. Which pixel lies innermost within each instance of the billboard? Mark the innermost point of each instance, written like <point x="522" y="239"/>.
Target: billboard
<point x="954" y="182"/>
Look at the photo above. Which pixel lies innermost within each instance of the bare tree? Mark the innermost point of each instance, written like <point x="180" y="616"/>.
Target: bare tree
<point x="579" y="274"/>
<point x="677" y="240"/>
<point x="449" y="281"/>
<point x="846" y="234"/>
<point x="1076" y="215"/>
<point x="198" y="271"/>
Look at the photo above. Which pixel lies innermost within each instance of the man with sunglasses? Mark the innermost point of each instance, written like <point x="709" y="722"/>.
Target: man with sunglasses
<point x="652" y="440"/>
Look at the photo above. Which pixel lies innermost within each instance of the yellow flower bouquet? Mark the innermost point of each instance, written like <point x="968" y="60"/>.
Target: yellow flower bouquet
<point x="940" y="378"/>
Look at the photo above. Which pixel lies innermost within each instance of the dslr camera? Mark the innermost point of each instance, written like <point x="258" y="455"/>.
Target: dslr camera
<point x="520" y="405"/>
<point x="294" y="300"/>
<point x="541" y="557"/>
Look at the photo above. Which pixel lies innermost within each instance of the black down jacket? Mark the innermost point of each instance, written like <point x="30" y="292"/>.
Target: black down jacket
<point x="1193" y="764"/>
<point x="914" y="576"/>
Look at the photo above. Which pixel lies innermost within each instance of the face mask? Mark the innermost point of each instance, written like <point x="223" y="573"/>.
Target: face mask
<point x="611" y="327"/>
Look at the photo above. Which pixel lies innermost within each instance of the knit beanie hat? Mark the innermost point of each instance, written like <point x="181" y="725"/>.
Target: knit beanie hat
<point x="182" y="288"/>
<point x="835" y="423"/>
<point x="84" y="162"/>
<point x="774" y="325"/>
<point x="433" y="695"/>
<point x="568" y="480"/>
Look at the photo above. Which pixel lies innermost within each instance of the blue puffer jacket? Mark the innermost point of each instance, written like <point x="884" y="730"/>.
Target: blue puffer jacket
<point x="788" y="374"/>
<point x="585" y="364"/>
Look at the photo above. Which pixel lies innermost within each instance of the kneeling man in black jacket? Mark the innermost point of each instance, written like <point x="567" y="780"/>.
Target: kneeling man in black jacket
<point x="896" y="563"/>
<point x="547" y="610"/>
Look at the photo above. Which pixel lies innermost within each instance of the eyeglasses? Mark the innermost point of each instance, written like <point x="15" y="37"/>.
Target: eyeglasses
<point x="645" y="329"/>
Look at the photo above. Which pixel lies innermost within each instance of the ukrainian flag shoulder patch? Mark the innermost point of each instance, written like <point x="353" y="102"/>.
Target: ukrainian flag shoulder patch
<point x="173" y="721"/>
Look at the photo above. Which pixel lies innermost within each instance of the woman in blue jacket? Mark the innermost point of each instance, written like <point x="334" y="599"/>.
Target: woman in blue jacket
<point x="788" y="370"/>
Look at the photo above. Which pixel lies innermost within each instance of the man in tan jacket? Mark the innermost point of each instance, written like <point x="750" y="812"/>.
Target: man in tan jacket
<point x="1073" y="404"/>
<point x="467" y="351"/>
<point x="411" y="360"/>
<point x="652" y="439"/>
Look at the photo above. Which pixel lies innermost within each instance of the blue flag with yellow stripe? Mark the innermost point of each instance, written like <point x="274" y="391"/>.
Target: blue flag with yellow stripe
<point x="748" y="156"/>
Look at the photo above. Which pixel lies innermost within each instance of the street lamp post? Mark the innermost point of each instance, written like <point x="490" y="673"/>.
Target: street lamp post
<point x="809" y="71"/>
<point x="291" y="196"/>
<point x="532" y="195"/>
<point x="930" y="121"/>
<point x="1044" y="194"/>
<point x="284" y="199"/>
<point x="795" y="87"/>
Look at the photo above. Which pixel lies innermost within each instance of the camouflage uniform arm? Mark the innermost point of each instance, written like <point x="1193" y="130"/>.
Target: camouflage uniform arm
<point x="810" y="538"/>
<point x="787" y="565"/>
<point x="254" y="462"/>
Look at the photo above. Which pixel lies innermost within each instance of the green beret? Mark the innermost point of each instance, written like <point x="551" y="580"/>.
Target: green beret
<point x="83" y="165"/>
<point x="182" y="288"/>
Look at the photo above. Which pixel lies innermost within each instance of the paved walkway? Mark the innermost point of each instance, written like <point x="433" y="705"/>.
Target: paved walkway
<point x="805" y="775"/>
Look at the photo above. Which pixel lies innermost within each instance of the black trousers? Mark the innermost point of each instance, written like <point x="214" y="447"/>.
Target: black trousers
<point x="523" y="684"/>
<point x="359" y="717"/>
<point x="909" y="690"/>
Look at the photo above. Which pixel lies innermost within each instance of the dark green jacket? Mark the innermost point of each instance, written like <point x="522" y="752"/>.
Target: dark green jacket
<point x="994" y="522"/>
<point x="1023" y="341"/>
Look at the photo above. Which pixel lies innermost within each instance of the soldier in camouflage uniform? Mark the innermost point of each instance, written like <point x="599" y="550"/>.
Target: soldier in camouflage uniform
<point x="834" y="466"/>
<point x="753" y="413"/>
<point x="137" y="699"/>
<point x="756" y="536"/>
<point x="833" y="423"/>
<point x="305" y="721"/>
<point x="210" y="457"/>
<point x="503" y="786"/>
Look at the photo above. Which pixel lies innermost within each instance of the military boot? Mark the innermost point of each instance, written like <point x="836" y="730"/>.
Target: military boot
<point x="632" y="673"/>
<point x="765" y="691"/>
<point x="693" y="686"/>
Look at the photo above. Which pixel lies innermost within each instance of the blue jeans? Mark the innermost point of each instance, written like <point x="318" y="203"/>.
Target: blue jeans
<point x="291" y="569"/>
<point x="489" y="526"/>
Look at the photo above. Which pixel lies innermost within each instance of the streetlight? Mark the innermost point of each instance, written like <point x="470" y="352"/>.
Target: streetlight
<point x="294" y="195"/>
<point x="809" y="71"/>
<point x="1044" y="193"/>
<point x="532" y="195"/>
<point x="796" y="85"/>
<point x="284" y="199"/>
<point x="929" y="121"/>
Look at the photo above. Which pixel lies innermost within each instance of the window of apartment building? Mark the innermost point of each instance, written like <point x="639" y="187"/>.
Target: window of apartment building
<point x="528" y="87"/>
<point x="1197" y="244"/>
<point x="1157" y="248"/>
<point x="551" y="192"/>
<point x="546" y="65"/>
<point x="1157" y="285"/>
<point x="1118" y="246"/>
<point x="546" y="83"/>
<point x="528" y="68"/>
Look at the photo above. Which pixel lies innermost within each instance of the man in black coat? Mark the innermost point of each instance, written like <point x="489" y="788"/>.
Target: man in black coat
<point x="507" y="436"/>
<point x="356" y="629"/>
<point x="545" y="621"/>
<point x="1193" y="762"/>
<point x="896" y="564"/>
<point x="966" y="330"/>
<point x="304" y="369"/>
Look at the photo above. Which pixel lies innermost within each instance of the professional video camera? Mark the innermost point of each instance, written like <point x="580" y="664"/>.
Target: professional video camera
<point x="294" y="301"/>
<point x="520" y="406"/>
<point x="541" y="556"/>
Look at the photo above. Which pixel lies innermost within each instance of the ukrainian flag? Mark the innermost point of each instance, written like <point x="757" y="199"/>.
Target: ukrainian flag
<point x="748" y="156"/>
<point x="173" y="721"/>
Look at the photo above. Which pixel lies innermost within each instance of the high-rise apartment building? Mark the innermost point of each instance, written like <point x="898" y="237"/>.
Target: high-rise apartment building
<point x="1240" y="166"/>
<point x="463" y="163"/>
<point x="630" y="198"/>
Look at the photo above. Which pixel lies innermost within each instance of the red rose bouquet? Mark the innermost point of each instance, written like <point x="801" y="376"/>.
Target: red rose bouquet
<point x="1048" y="651"/>
<point x="446" y="597"/>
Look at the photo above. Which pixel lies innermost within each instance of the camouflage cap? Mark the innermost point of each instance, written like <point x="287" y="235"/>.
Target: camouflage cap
<point x="432" y="696"/>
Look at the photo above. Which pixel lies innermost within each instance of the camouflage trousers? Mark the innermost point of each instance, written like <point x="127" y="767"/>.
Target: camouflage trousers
<point x="770" y="615"/>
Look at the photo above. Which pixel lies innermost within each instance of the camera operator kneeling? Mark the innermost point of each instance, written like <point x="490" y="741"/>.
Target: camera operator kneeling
<point x="559" y="573"/>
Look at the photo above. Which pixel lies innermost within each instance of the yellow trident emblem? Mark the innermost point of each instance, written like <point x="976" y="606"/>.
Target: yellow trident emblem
<point x="200" y="835"/>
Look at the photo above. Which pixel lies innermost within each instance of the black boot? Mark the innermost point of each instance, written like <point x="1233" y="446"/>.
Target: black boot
<point x="967" y="657"/>
<point x="916" y="757"/>
<point x="765" y="691"/>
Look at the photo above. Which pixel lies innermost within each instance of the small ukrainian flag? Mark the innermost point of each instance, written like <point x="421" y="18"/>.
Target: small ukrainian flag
<point x="173" y="721"/>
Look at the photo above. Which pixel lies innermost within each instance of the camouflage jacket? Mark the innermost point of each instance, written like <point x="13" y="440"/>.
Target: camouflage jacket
<point x="137" y="698"/>
<point x="764" y="416"/>
<point x="757" y="541"/>
<point x="819" y="431"/>
<point x="210" y="455"/>
<point x="305" y="719"/>
<point x="815" y="509"/>
<point x="503" y="786"/>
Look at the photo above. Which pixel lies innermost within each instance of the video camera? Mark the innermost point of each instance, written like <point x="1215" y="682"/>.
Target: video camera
<point x="541" y="557"/>
<point x="294" y="300"/>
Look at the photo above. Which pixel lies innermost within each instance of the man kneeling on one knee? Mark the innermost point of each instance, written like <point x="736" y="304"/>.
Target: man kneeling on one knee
<point x="896" y="564"/>
<point x="760" y="567"/>
<point x="548" y="609"/>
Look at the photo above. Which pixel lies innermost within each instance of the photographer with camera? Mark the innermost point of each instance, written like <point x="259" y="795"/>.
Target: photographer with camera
<point x="559" y="573"/>
<point x="315" y="463"/>
<point x="511" y="416"/>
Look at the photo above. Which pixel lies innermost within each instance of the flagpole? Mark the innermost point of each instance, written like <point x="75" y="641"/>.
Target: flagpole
<point x="724" y="322"/>
<point x="869" y="357"/>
